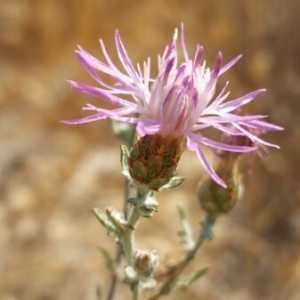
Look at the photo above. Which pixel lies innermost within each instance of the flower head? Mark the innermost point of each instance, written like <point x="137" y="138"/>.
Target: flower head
<point x="180" y="99"/>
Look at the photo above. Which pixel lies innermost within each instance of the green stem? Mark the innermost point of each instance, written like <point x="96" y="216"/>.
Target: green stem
<point x="135" y="293"/>
<point x="118" y="257"/>
<point x="128" y="242"/>
<point x="205" y="233"/>
<point x="127" y="239"/>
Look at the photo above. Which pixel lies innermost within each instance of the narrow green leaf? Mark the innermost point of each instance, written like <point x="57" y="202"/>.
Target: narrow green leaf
<point x="102" y="217"/>
<point x="186" y="232"/>
<point x="124" y="157"/>
<point x="191" y="279"/>
<point x="108" y="260"/>
<point x="174" y="181"/>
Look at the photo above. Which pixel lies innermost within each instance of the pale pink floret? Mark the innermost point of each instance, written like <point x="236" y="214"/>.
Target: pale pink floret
<point x="180" y="98"/>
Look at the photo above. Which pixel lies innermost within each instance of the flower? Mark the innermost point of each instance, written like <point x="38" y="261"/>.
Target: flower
<point x="180" y="99"/>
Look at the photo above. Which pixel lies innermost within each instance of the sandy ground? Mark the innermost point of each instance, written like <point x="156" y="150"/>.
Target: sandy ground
<point x="52" y="175"/>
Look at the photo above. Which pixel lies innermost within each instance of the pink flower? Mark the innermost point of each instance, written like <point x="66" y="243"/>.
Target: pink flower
<point x="180" y="99"/>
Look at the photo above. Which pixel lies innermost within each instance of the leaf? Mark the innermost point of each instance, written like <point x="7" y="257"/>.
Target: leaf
<point x="110" y="264"/>
<point x="102" y="217"/>
<point x="174" y="181"/>
<point x="186" y="232"/>
<point x="191" y="279"/>
<point x="124" y="157"/>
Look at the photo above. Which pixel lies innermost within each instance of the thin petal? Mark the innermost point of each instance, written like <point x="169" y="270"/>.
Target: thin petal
<point x="110" y="113"/>
<point x="214" y="106"/>
<point x="185" y="54"/>
<point x="229" y="65"/>
<point x="226" y="129"/>
<point x="222" y="146"/>
<point x="123" y="56"/>
<point x="198" y="56"/>
<point x="91" y="71"/>
<point x="88" y="119"/>
<point x="228" y="118"/>
<point x="100" y="115"/>
<point x="209" y="168"/>
<point x="234" y="104"/>
<point x="254" y="137"/>
<point x="95" y="63"/>
<point x="100" y="93"/>
<point x="215" y="72"/>
<point x="264" y="125"/>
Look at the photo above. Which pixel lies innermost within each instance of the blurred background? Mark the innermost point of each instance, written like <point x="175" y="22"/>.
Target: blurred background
<point x="52" y="174"/>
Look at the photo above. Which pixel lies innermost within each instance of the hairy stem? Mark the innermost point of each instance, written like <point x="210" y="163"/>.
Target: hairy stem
<point x="118" y="256"/>
<point x="127" y="239"/>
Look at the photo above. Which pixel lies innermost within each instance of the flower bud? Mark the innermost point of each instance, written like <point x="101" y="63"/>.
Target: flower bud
<point x="214" y="198"/>
<point x="145" y="262"/>
<point x="154" y="159"/>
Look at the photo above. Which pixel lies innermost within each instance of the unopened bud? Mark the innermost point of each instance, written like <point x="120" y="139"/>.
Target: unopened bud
<point x="145" y="262"/>
<point x="216" y="199"/>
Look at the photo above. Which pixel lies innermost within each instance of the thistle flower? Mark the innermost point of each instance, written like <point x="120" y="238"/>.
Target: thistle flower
<point x="179" y="100"/>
